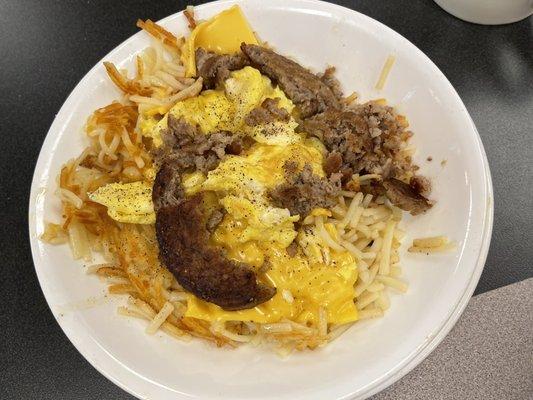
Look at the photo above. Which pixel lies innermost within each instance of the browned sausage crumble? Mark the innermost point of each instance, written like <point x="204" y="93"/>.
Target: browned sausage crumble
<point x="215" y="68"/>
<point x="304" y="190"/>
<point x="267" y="112"/>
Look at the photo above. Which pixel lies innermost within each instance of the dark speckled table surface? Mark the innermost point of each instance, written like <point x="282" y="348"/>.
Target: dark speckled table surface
<point x="47" y="46"/>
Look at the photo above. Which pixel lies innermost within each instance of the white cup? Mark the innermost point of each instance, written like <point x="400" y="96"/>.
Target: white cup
<point x="488" y="12"/>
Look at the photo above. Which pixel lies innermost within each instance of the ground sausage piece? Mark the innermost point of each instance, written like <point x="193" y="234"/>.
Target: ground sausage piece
<point x="405" y="196"/>
<point x="267" y="112"/>
<point x="292" y="249"/>
<point x="367" y="137"/>
<point x="329" y="78"/>
<point x="215" y="68"/>
<point x="333" y="163"/>
<point x="215" y="219"/>
<point x="310" y="94"/>
<point x="190" y="149"/>
<point x="421" y="185"/>
<point x="304" y="191"/>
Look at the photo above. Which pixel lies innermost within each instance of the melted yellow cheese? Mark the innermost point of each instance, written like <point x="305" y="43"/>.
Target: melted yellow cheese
<point x="222" y="34"/>
<point x="311" y="285"/>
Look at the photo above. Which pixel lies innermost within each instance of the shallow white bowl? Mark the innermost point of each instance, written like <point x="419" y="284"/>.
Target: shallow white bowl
<point x="372" y="354"/>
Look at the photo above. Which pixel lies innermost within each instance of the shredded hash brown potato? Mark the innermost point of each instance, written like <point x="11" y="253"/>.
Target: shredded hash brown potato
<point x="363" y="225"/>
<point x="189" y="14"/>
<point x="385" y="72"/>
<point x="429" y="245"/>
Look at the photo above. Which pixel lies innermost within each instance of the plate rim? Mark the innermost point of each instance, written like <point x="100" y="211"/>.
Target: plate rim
<point x="402" y="368"/>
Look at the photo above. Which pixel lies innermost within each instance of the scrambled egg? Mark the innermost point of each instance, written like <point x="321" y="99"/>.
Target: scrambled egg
<point x="245" y="181"/>
<point x="127" y="202"/>
<point x="226" y="108"/>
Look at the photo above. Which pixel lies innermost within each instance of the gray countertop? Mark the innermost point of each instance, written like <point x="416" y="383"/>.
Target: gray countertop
<point x="47" y="46"/>
<point x="487" y="355"/>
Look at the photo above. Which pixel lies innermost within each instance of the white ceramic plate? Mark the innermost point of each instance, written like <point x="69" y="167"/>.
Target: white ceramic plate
<point x="371" y="355"/>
